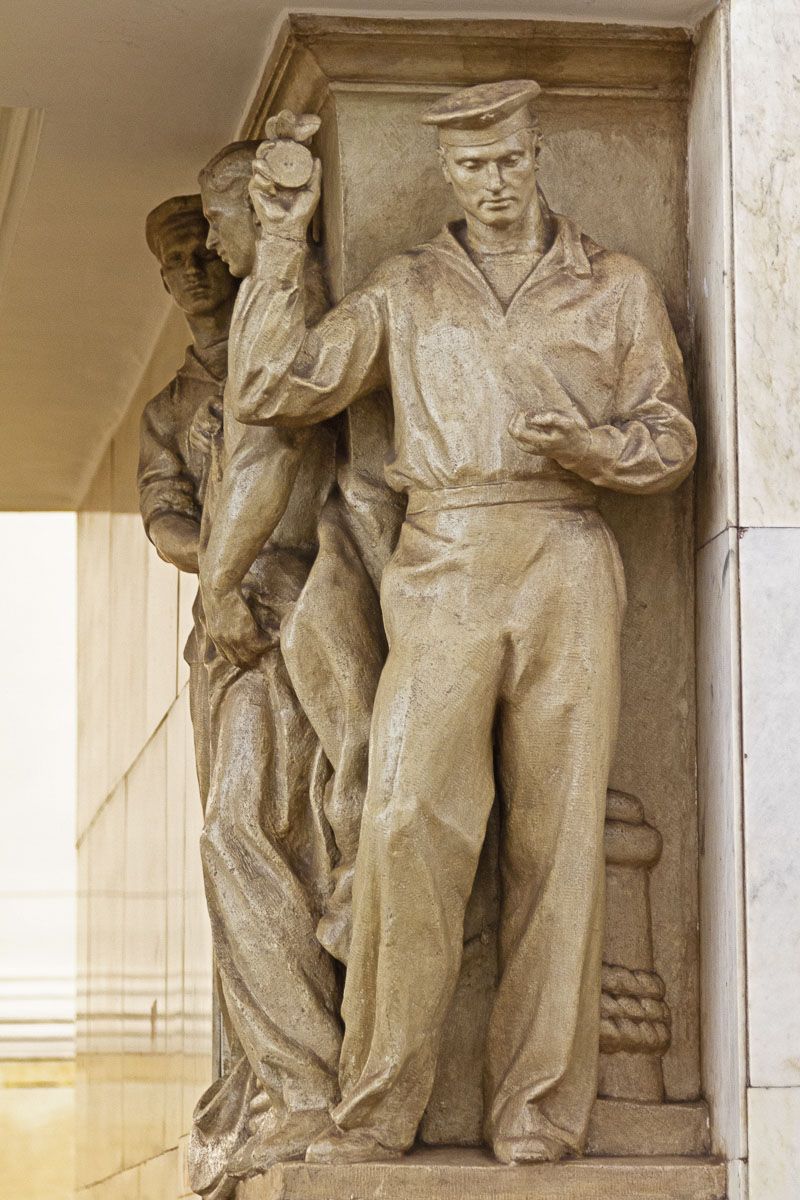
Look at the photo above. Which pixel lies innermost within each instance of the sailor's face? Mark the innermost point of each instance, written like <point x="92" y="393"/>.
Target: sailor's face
<point x="231" y="231"/>
<point x="495" y="183"/>
<point x="196" y="278"/>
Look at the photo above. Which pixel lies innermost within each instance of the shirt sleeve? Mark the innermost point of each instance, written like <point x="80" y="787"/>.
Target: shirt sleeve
<point x="649" y="444"/>
<point x="165" y="484"/>
<point x="281" y="372"/>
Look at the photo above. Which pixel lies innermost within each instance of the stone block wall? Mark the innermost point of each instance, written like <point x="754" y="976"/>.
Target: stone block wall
<point x="144" y="1012"/>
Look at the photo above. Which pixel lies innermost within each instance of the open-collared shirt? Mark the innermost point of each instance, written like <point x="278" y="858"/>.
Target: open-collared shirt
<point x="586" y="332"/>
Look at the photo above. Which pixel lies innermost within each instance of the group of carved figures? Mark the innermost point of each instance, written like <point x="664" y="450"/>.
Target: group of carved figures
<point x="405" y="657"/>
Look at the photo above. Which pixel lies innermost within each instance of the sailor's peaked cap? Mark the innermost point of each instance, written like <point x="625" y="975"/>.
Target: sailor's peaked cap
<point x="484" y="113"/>
<point x="170" y="216"/>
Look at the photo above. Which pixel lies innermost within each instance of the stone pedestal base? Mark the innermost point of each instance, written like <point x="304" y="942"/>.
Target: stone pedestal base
<point x="472" y="1175"/>
<point x="631" y="1128"/>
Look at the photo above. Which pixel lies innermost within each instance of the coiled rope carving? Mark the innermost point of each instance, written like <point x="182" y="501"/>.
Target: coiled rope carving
<point x="634" y="1017"/>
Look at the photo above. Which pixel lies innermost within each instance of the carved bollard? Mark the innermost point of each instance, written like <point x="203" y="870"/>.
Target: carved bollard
<point x="634" y="1016"/>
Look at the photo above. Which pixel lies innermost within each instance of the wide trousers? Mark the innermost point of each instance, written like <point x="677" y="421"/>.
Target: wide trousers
<point x="502" y="681"/>
<point x="265" y="850"/>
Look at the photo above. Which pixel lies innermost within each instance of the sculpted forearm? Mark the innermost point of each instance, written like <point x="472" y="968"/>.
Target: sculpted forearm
<point x="255" y="492"/>
<point x="176" y="538"/>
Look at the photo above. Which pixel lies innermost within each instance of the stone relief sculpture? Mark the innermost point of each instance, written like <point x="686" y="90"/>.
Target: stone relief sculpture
<point x="527" y="366"/>
<point x="261" y="769"/>
<point x="264" y="843"/>
<point x="505" y="371"/>
<point x="174" y="451"/>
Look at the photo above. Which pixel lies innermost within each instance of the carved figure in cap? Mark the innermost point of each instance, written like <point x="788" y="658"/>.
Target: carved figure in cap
<point x="265" y="842"/>
<point x="173" y="463"/>
<point x="528" y="367"/>
<point x="332" y="641"/>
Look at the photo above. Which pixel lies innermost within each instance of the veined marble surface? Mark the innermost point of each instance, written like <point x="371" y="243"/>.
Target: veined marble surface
<point x="774" y="1118"/>
<point x="719" y="791"/>
<point x="765" y="90"/>
<point x="770" y="623"/>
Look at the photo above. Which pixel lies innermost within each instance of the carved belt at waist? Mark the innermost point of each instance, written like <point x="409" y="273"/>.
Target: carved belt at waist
<point x="512" y="491"/>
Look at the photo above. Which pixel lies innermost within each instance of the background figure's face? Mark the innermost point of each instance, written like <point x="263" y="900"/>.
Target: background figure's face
<point x="231" y="228"/>
<point x="195" y="277"/>
<point x="495" y="184"/>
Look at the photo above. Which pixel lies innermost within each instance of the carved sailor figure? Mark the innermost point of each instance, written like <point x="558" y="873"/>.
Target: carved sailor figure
<point x="174" y="455"/>
<point x="528" y="367"/>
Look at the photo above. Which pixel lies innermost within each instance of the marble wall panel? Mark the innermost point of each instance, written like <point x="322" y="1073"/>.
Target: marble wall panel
<point x="107" y="903"/>
<point x="82" y="1027"/>
<point x="774" y="1120"/>
<point x="161" y="638"/>
<point x="721" y="862"/>
<point x="198" y="1064"/>
<point x="94" y="591"/>
<point x="134" y="619"/>
<point x="145" y="953"/>
<point x="770" y="630"/>
<point x="124" y="1186"/>
<point x="175" y="841"/>
<point x="711" y="281"/>
<point x="128" y="607"/>
<point x="158" y="1178"/>
<point x="765" y="47"/>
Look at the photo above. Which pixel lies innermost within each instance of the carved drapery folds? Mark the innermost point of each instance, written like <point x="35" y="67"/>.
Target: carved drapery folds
<point x="429" y="473"/>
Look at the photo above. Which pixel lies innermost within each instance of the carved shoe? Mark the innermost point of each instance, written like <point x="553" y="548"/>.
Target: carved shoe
<point x="529" y="1148"/>
<point x="348" y="1146"/>
<point x="283" y="1142"/>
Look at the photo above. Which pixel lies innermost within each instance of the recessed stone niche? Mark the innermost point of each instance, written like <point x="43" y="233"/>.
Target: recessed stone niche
<point x="616" y="110"/>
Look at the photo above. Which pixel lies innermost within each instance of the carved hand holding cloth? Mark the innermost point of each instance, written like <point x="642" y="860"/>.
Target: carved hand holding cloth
<point x="587" y="333"/>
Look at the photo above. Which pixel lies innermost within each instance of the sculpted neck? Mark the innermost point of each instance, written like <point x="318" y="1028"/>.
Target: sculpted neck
<point x="530" y="234"/>
<point x="211" y="327"/>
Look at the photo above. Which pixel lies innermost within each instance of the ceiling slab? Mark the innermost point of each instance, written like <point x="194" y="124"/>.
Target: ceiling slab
<point x="136" y="97"/>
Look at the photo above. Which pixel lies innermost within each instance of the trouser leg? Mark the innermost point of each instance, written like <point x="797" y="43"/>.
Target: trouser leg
<point x="557" y="726"/>
<point x="279" y="985"/>
<point x="430" y="792"/>
<point x="334" y="647"/>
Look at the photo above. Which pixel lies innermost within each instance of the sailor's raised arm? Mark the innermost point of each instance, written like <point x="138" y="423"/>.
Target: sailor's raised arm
<point x="283" y="368"/>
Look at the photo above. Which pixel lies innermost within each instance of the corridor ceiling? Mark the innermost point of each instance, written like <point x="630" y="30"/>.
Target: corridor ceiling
<point x="136" y="95"/>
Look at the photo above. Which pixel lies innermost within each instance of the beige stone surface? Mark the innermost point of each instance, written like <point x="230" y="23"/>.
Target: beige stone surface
<point x="105" y="848"/>
<point x="343" y="359"/>
<point x="144" y="954"/>
<point x="175" y="800"/>
<point x="94" y="638"/>
<point x="626" y="1128"/>
<point x="471" y="1175"/>
<point x="127" y="610"/>
<point x="161" y="601"/>
<point x="655" y="757"/>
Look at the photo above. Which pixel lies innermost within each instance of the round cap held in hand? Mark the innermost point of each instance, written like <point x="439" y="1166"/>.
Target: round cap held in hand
<point x="289" y="164"/>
